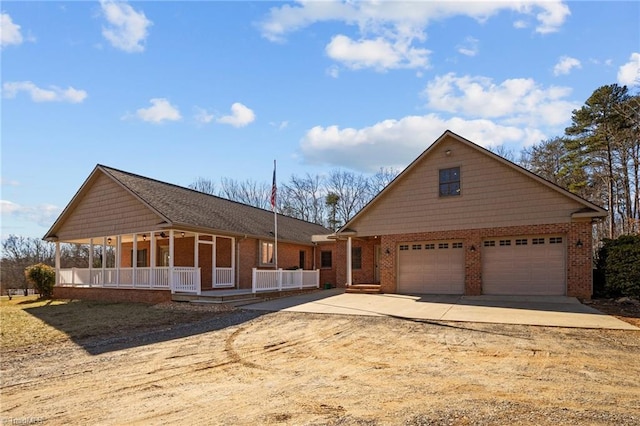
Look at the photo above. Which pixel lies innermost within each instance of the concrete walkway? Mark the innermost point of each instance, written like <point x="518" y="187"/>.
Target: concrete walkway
<point x="525" y="310"/>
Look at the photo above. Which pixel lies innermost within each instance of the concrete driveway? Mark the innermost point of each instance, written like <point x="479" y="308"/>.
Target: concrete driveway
<point x="526" y="310"/>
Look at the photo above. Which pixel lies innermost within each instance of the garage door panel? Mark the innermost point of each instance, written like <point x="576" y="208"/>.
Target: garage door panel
<point x="524" y="265"/>
<point x="431" y="268"/>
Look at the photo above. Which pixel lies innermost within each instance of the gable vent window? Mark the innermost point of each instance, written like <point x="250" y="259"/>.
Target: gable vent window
<point x="555" y="240"/>
<point x="505" y="242"/>
<point x="416" y="247"/>
<point x="456" y="245"/>
<point x="404" y="247"/>
<point x="537" y="241"/>
<point x="429" y="246"/>
<point x="449" y="182"/>
<point x="521" y="242"/>
<point x="490" y="243"/>
<point x="443" y="245"/>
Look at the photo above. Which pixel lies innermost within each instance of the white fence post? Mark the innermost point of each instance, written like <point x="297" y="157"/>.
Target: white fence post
<point x="279" y="277"/>
<point x="253" y="280"/>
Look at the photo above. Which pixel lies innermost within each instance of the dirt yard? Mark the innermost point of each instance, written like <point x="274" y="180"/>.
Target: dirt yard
<point x="247" y="368"/>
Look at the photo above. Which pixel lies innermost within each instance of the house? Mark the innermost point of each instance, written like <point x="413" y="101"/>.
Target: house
<point x="463" y="220"/>
<point x="148" y="239"/>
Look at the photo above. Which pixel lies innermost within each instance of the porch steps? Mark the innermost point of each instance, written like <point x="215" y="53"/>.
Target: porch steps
<point x="364" y="289"/>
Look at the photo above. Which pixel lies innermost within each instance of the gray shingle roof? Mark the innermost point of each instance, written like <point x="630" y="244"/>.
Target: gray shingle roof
<point x="183" y="206"/>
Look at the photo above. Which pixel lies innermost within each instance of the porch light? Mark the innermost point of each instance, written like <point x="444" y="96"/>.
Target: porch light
<point x="472" y="249"/>
<point x="448" y="152"/>
<point x="579" y="243"/>
<point x="109" y="240"/>
<point x="182" y="233"/>
<point x="387" y="251"/>
<point x="144" y="237"/>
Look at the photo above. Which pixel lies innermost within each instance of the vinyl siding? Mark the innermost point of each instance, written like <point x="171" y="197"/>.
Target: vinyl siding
<point x="106" y="208"/>
<point x="492" y="195"/>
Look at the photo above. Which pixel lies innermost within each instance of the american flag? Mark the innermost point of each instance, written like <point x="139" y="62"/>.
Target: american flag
<point x="274" y="188"/>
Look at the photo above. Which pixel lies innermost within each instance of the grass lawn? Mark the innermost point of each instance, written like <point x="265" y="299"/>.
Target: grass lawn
<point x="26" y="321"/>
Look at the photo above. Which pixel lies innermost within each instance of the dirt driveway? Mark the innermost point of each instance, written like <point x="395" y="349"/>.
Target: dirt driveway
<point x="246" y="368"/>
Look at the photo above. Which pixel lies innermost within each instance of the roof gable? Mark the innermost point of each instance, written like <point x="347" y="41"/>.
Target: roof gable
<point x="495" y="192"/>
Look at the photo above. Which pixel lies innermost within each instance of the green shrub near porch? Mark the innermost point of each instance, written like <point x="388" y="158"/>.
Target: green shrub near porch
<point x="43" y="277"/>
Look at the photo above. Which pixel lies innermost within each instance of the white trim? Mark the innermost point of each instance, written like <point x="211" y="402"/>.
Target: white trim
<point x="349" y="266"/>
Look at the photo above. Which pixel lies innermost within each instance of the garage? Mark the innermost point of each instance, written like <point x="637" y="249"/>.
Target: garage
<point x="431" y="267"/>
<point x="524" y="265"/>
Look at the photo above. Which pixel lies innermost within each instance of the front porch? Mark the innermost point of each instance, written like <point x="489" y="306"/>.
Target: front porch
<point x="175" y="260"/>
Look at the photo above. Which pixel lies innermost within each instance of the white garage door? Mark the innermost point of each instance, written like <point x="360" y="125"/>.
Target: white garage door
<point x="524" y="266"/>
<point x="431" y="267"/>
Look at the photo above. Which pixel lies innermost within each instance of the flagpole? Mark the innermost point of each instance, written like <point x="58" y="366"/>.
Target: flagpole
<point x="274" y="205"/>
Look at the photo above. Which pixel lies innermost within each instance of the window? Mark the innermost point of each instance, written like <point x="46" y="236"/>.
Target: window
<point x="142" y="258"/>
<point x="449" y="182"/>
<point x="456" y="245"/>
<point x="443" y="245"/>
<point x="521" y="242"/>
<point x="555" y="240"/>
<point x="505" y="242"/>
<point x="404" y="247"/>
<point x="430" y="246"/>
<point x="537" y="241"/>
<point x="356" y="257"/>
<point x="266" y="253"/>
<point x="325" y="259"/>
<point x="490" y="243"/>
<point x="416" y="247"/>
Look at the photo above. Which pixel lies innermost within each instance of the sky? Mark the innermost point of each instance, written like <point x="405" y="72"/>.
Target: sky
<point x="176" y="91"/>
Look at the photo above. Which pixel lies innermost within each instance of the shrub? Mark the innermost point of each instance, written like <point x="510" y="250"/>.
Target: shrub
<point x="619" y="261"/>
<point x="43" y="277"/>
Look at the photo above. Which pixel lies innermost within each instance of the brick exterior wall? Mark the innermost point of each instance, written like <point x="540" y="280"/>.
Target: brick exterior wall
<point x="327" y="275"/>
<point x="364" y="275"/>
<point x="112" y="294"/>
<point x="579" y="259"/>
<point x="249" y="258"/>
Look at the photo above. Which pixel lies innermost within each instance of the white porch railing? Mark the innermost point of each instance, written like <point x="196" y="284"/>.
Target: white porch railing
<point x="224" y="278"/>
<point x="263" y="280"/>
<point x="185" y="279"/>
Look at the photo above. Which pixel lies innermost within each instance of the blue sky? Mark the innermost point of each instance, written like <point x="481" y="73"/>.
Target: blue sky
<point x="181" y="90"/>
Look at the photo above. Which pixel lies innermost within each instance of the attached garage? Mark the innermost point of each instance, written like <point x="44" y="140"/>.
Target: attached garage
<point x="431" y="267"/>
<point x="524" y="265"/>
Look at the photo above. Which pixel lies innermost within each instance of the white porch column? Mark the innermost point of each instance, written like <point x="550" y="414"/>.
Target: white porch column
<point x="117" y="258"/>
<point x="195" y="261"/>
<point x="152" y="258"/>
<point x="134" y="259"/>
<point x="214" y="279"/>
<point x="171" y="246"/>
<point x="233" y="260"/>
<point x="90" y="261"/>
<point x="349" y="274"/>
<point x="103" y="261"/>
<point x="57" y="262"/>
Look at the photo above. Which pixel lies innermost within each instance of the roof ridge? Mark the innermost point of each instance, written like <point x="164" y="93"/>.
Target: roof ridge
<point x="108" y="169"/>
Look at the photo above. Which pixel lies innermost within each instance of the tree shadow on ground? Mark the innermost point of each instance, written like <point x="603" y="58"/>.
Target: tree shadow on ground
<point x="100" y="327"/>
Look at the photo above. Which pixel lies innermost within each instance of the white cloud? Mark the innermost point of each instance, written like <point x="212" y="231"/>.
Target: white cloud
<point x="469" y="47"/>
<point x="515" y="101"/>
<point x="9" y="32"/>
<point x="333" y="71"/>
<point x="629" y="73"/>
<point x="159" y="111"/>
<point x="389" y="31"/>
<point x="378" y="53"/>
<point x="202" y="116"/>
<point x="395" y="143"/>
<point x="52" y="94"/>
<point x="565" y="65"/>
<point x="9" y="182"/>
<point x="240" y="116"/>
<point x="43" y="215"/>
<point x="127" y="29"/>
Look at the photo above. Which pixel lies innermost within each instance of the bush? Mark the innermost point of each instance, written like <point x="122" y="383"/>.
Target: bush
<point x="43" y="277"/>
<point x="619" y="261"/>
